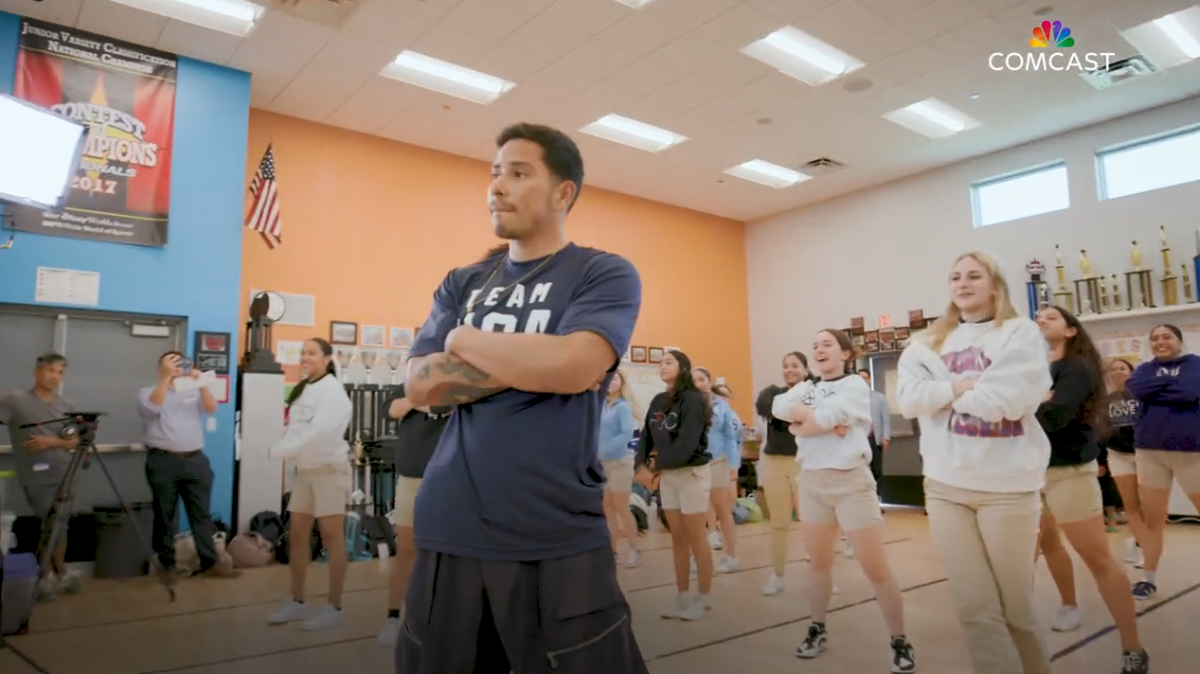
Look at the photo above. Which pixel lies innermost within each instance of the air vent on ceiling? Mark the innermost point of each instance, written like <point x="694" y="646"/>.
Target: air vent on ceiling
<point x="821" y="166"/>
<point x="324" y="12"/>
<point x="1119" y="71"/>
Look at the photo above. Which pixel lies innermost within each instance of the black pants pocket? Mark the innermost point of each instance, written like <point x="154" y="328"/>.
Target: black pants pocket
<point x="586" y="623"/>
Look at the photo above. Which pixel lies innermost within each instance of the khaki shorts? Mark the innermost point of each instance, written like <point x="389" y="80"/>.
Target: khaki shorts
<point x="320" y="492"/>
<point x="720" y="474"/>
<point x="620" y="475"/>
<point x="1072" y="493"/>
<point x="1156" y="468"/>
<point x="1121" y="464"/>
<point x="685" y="489"/>
<point x="406" y="496"/>
<point x="844" y="498"/>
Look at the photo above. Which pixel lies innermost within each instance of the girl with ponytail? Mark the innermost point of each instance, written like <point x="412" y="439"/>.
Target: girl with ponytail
<point x="314" y="442"/>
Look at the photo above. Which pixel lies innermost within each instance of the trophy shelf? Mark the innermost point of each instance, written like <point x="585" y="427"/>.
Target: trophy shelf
<point x="1169" y="310"/>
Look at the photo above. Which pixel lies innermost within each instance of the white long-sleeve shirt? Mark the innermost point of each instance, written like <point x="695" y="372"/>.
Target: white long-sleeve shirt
<point x="845" y="401"/>
<point x="317" y="422"/>
<point x="989" y="439"/>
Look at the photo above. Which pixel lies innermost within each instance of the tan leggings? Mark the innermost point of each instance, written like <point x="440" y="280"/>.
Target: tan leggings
<point x="777" y="475"/>
<point x="986" y="542"/>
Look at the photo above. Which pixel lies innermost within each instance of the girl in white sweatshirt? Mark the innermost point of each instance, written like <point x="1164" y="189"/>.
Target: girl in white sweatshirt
<point x="314" y="441"/>
<point x="832" y="418"/>
<point x="974" y="380"/>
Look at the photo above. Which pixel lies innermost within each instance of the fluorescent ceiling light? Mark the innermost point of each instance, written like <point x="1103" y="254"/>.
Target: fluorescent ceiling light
<point x="802" y="56"/>
<point x="766" y="173"/>
<point x="932" y="118"/>
<point x="633" y="133"/>
<point x="636" y="4"/>
<point x="444" y="77"/>
<point x="1168" y="41"/>
<point x="236" y="17"/>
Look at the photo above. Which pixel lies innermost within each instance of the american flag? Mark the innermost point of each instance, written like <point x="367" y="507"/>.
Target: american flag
<point x="264" y="212"/>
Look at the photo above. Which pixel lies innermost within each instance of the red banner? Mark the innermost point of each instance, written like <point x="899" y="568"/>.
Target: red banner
<point x="125" y="93"/>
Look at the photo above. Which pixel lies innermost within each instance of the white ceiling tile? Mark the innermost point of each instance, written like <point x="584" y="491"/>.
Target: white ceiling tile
<point x="994" y="6"/>
<point x="723" y="79"/>
<point x="120" y="22"/>
<point x="389" y="22"/>
<point x="789" y="10"/>
<point x="894" y="9"/>
<point x="739" y="27"/>
<point x="281" y="44"/>
<point x="62" y="12"/>
<point x="591" y="18"/>
<point x="685" y="15"/>
<point x="642" y="34"/>
<point x="421" y="123"/>
<point x="425" y="9"/>
<point x="534" y="46"/>
<point x="937" y="18"/>
<point x="375" y="105"/>
<point x="858" y="31"/>
<point x="449" y="44"/>
<point x="199" y="43"/>
<point x="265" y="87"/>
<point x="493" y="20"/>
<point x="344" y="65"/>
<point x="977" y="38"/>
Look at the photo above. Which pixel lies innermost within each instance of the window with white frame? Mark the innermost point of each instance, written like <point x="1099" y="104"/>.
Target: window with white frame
<point x="1148" y="165"/>
<point x="1030" y="192"/>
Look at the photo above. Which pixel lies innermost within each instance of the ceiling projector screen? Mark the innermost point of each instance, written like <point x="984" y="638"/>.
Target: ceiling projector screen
<point x="41" y="152"/>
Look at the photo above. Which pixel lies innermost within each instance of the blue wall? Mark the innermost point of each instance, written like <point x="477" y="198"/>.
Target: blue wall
<point x="198" y="274"/>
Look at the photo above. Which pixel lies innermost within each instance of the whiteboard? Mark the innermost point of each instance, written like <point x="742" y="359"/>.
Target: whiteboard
<point x="643" y="383"/>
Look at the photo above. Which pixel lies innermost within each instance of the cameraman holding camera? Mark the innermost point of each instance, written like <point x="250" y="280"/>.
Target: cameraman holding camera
<point x="176" y="466"/>
<point x="42" y="455"/>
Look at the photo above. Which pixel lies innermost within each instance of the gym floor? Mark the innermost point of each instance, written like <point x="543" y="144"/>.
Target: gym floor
<point x="220" y="626"/>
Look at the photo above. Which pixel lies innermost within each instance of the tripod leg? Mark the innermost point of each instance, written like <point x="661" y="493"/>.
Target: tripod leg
<point x="155" y="566"/>
<point x="60" y="511"/>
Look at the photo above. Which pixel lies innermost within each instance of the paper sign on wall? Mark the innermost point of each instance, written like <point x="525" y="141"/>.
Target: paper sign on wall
<point x="885" y="320"/>
<point x="67" y="286"/>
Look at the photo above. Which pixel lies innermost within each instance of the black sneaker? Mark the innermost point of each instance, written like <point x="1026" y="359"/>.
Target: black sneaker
<point x="813" y="644"/>
<point x="1144" y="589"/>
<point x="903" y="659"/>
<point x="1135" y="662"/>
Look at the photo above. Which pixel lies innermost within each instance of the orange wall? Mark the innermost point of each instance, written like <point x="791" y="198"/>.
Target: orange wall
<point x="370" y="227"/>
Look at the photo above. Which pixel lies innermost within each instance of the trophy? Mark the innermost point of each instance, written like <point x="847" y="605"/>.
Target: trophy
<point x="1062" y="297"/>
<point x="1187" y="285"/>
<point x="344" y="358"/>
<point x="1138" y="284"/>
<point x="1089" y="290"/>
<point x="368" y="360"/>
<point x="395" y="359"/>
<point x="1116" y="291"/>
<point x="1170" y="282"/>
<point x="1037" y="291"/>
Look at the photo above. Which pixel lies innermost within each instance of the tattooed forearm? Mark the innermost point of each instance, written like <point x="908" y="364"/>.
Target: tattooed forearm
<point x="442" y="379"/>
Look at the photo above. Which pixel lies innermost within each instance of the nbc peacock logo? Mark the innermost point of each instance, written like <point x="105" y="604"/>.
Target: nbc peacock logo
<point x="1051" y="34"/>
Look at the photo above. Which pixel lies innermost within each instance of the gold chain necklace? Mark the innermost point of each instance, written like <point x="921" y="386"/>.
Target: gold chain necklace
<point x="483" y="291"/>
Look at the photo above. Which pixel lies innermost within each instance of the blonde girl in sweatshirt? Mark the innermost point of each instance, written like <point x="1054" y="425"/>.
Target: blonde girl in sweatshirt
<point x="975" y="380"/>
<point x="832" y="418"/>
<point x="314" y="441"/>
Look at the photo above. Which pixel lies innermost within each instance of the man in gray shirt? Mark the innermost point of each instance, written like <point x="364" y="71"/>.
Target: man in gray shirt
<point x="42" y="455"/>
<point x="176" y="466"/>
<point x="881" y="428"/>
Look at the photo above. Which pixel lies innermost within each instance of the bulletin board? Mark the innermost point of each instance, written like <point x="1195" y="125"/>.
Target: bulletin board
<point x="644" y="383"/>
<point x="1129" y="338"/>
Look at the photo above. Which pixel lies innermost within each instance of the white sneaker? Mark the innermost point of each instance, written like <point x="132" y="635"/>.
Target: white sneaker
<point x="324" y="618"/>
<point x="390" y="633"/>
<point x="693" y="570"/>
<point x="45" y="589"/>
<point x="634" y="560"/>
<point x="697" y="609"/>
<point x="714" y="540"/>
<point x="292" y="610"/>
<point x="70" y="583"/>
<point x="728" y="565"/>
<point x="773" y="587"/>
<point x="1068" y="619"/>
<point x="682" y="603"/>
<point x="848" y="551"/>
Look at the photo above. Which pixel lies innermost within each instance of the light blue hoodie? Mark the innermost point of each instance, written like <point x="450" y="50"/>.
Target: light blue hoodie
<point x="616" y="430"/>
<point x="725" y="434"/>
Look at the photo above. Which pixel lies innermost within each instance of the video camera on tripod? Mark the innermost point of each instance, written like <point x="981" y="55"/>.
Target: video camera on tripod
<point x="84" y="425"/>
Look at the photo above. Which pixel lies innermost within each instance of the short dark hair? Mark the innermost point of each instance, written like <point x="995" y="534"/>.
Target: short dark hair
<point x="172" y="352"/>
<point x="864" y="371"/>
<point x="51" y="359"/>
<point x="559" y="153"/>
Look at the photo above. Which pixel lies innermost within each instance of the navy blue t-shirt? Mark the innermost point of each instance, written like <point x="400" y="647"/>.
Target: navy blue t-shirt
<point x="516" y="476"/>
